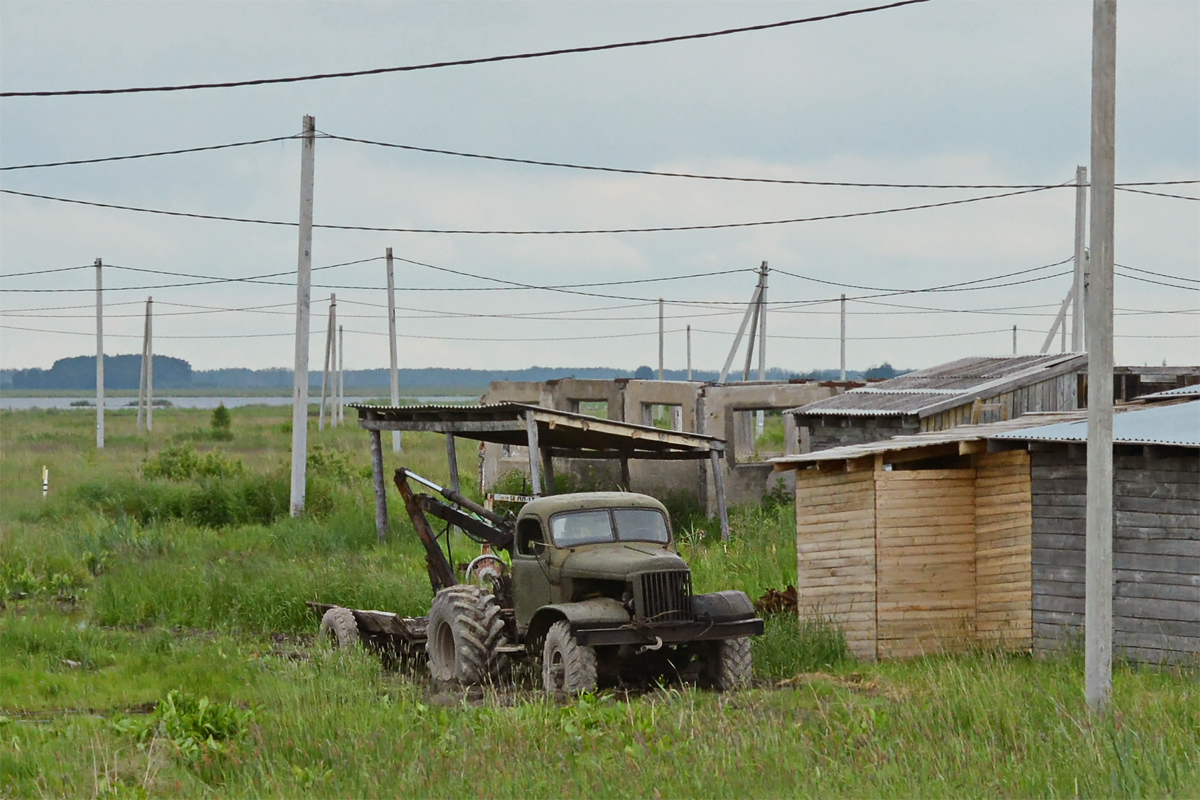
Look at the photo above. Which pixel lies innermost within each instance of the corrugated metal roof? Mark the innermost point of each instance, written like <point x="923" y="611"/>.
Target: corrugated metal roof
<point x="1177" y="425"/>
<point x="961" y="433"/>
<point x="1173" y="394"/>
<point x="935" y="389"/>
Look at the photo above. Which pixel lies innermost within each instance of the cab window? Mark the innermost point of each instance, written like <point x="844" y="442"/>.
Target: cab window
<point x="641" y="525"/>
<point x="529" y="536"/>
<point x="581" y="527"/>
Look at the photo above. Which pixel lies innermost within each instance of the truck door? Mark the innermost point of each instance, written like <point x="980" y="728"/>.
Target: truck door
<point x="531" y="581"/>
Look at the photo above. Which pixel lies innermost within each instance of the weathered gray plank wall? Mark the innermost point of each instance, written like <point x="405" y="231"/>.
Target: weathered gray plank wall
<point x="1156" y="551"/>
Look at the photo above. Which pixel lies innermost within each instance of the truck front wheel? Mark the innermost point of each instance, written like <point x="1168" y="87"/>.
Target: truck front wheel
<point x="568" y="668"/>
<point x="727" y="664"/>
<point x="465" y="630"/>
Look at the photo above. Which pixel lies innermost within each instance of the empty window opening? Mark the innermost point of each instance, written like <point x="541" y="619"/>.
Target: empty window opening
<point x="663" y="416"/>
<point x="593" y="408"/>
<point x="758" y="434"/>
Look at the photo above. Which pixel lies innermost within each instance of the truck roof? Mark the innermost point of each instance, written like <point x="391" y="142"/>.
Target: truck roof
<point x="546" y="506"/>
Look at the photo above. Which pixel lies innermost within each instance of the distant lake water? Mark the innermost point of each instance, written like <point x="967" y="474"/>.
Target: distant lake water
<point x="117" y="403"/>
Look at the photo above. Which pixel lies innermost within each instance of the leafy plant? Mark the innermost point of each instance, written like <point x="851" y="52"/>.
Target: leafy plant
<point x="181" y="463"/>
<point x="196" y="727"/>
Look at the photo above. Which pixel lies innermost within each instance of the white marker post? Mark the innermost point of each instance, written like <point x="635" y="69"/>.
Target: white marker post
<point x="99" y="356"/>
<point x="391" y="290"/>
<point x="303" y="300"/>
<point x="45" y="481"/>
<point x="1098" y="602"/>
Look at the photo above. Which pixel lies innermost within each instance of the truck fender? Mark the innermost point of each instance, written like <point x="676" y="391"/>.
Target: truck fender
<point x="727" y="606"/>
<point x="597" y="611"/>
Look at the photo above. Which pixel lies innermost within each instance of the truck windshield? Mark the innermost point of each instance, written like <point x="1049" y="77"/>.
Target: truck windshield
<point x="597" y="527"/>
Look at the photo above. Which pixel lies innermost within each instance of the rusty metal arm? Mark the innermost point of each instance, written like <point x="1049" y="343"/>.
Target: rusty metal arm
<point x="500" y="536"/>
<point x="441" y="575"/>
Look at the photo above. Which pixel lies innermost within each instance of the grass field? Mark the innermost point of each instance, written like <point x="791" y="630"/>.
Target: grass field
<point x="154" y="642"/>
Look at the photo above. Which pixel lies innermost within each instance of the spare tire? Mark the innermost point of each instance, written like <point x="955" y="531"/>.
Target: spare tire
<point x="339" y="627"/>
<point x="465" y="629"/>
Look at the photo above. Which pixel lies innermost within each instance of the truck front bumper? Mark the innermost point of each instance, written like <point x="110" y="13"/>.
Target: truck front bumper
<point x="675" y="633"/>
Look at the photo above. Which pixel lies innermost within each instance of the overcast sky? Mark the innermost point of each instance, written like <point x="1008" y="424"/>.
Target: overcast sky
<point x="942" y="92"/>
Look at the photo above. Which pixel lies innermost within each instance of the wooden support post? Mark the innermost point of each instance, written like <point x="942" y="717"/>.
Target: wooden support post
<point x="1077" y="313"/>
<point x="548" y="468"/>
<point x="843" y="372"/>
<point x="452" y="460"/>
<point x="753" y="334"/>
<point x="626" y="480"/>
<point x="395" y="376"/>
<point x="99" y="355"/>
<point x="714" y="459"/>
<point x="660" y="338"/>
<point x="381" y="511"/>
<point x="328" y="358"/>
<point x="303" y="300"/>
<point x="1098" y="294"/>
<point x="531" y="432"/>
<point x="1059" y="323"/>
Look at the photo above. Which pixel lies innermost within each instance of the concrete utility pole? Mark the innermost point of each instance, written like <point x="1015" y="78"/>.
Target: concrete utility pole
<point x="1077" y="313"/>
<point x="391" y="286"/>
<point x="843" y="338"/>
<point x="146" y="382"/>
<point x="660" y="338"/>
<point x="303" y="300"/>
<point x="99" y="355"/>
<point x="341" y="387"/>
<point x="1098" y="627"/>
<point x="760" y="416"/>
<point x="737" y="340"/>
<point x="1014" y="340"/>
<point x="689" y="352"/>
<point x="328" y="357"/>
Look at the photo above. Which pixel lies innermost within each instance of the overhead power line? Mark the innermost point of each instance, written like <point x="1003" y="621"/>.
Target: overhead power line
<point x="561" y="232"/>
<point x="106" y="159"/>
<point x="735" y="178"/>
<point x="1125" y="188"/>
<point x="462" y="62"/>
<point x="1159" y="274"/>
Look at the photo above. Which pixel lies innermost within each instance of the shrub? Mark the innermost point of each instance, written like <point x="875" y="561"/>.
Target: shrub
<point x="181" y="463"/>
<point x="222" y="420"/>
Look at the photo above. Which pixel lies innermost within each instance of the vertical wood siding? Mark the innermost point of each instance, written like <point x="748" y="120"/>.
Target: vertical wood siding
<point x="835" y="547"/>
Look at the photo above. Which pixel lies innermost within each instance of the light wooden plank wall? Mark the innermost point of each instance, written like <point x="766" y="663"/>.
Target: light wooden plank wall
<point x="1003" y="550"/>
<point x="1053" y="394"/>
<point x="1156" y="553"/>
<point x="835" y="548"/>
<point x="925" y="561"/>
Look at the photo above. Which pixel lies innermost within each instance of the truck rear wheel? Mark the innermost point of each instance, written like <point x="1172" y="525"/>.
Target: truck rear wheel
<point x="465" y="630"/>
<point x="568" y="667"/>
<point x="339" y="627"/>
<point x="728" y="664"/>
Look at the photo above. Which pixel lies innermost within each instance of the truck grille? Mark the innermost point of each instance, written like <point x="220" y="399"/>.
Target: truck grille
<point x="663" y="596"/>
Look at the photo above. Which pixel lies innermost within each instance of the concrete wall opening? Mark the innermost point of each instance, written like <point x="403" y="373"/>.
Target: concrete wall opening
<point x="593" y="408"/>
<point x="662" y="415"/>
<point x="758" y="434"/>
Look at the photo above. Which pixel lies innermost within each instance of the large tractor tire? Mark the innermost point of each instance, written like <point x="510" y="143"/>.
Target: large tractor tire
<point x="339" y="628"/>
<point x="568" y="668"/>
<point x="465" y="630"/>
<point x="728" y="664"/>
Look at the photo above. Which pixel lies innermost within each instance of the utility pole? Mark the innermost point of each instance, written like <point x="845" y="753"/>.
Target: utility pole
<point x="689" y="352"/>
<point x="341" y="387"/>
<point x="760" y="416"/>
<point x="142" y="378"/>
<point x="843" y="337"/>
<point x="1077" y="312"/>
<point x="737" y="340"/>
<point x="303" y="300"/>
<point x="99" y="355"/>
<point x="391" y="289"/>
<point x="660" y="338"/>
<point x="329" y="355"/>
<point x="1099" y="331"/>
<point x="1014" y="340"/>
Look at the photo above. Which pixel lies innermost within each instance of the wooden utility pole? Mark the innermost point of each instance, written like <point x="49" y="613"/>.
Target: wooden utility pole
<point x="303" y="300"/>
<point x="689" y="352"/>
<point x="1077" y="313"/>
<point x="843" y="370"/>
<point x="99" y="355"/>
<point x="328" y="357"/>
<point x="1098" y="295"/>
<point x="391" y="289"/>
<point x="660" y="338"/>
<point x="145" y="413"/>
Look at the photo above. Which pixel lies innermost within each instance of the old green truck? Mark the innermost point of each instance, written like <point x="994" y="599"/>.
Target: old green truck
<point x="593" y="584"/>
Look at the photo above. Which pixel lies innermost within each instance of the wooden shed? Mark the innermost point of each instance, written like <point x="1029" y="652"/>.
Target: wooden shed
<point x="941" y="541"/>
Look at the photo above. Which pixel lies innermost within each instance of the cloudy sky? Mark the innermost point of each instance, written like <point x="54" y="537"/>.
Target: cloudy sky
<point x="943" y="92"/>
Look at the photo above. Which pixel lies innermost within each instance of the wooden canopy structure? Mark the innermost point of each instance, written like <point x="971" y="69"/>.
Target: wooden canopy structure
<point x="547" y="434"/>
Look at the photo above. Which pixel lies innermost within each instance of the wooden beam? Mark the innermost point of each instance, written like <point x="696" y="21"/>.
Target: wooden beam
<point x="531" y="432"/>
<point x="381" y="512"/>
